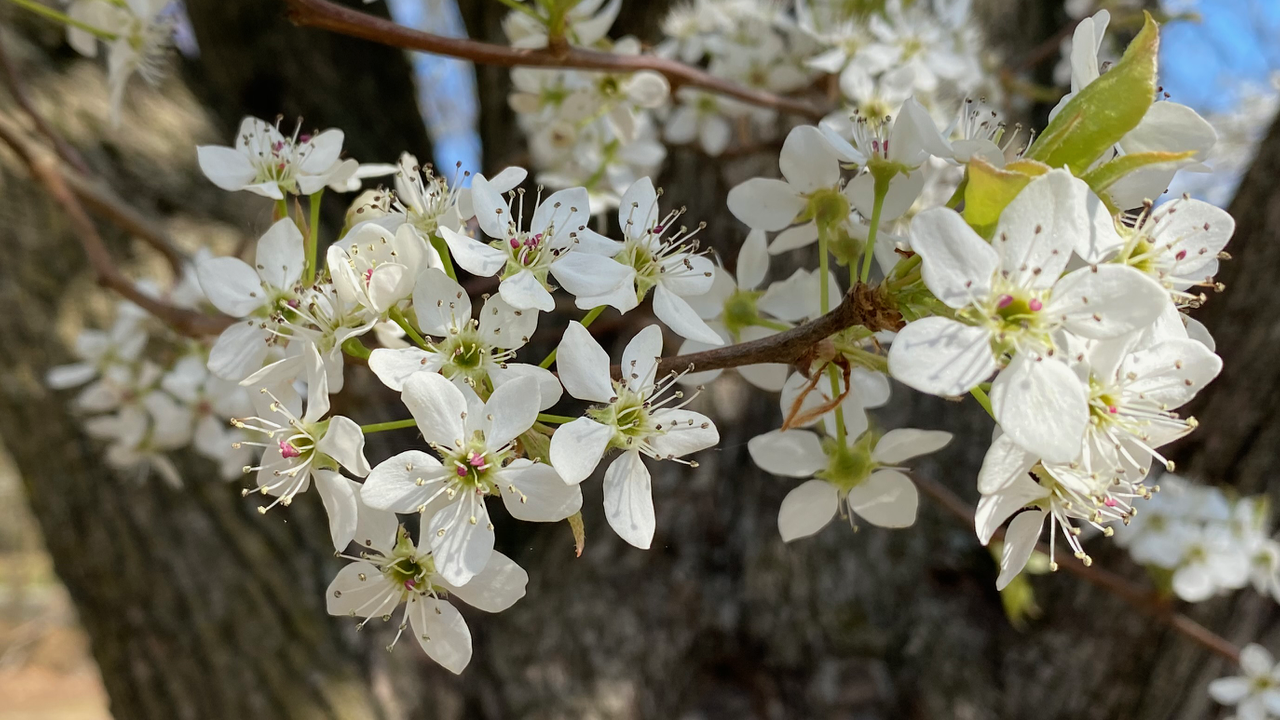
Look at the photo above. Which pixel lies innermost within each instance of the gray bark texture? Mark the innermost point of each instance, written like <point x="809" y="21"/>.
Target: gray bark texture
<point x="198" y="607"/>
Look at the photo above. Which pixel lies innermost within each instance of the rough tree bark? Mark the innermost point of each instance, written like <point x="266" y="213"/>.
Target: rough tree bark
<point x="200" y="608"/>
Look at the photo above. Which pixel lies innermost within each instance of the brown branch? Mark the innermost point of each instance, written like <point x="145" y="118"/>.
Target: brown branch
<point x="326" y="15"/>
<point x="45" y="170"/>
<point x="13" y="81"/>
<point x="862" y="305"/>
<point x="1144" y="600"/>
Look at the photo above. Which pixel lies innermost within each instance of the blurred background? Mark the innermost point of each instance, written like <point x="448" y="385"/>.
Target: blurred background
<point x="187" y="604"/>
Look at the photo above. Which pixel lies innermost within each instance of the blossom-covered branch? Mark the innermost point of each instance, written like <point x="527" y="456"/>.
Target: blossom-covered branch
<point x="326" y="15"/>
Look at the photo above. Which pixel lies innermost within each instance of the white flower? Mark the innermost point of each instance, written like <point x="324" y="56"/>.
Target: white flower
<point x="896" y="148"/>
<point x="427" y="202"/>
<point x="1213" y="561"/>
<point x="263" y="295"/>
<point x="1010" y="302"/>
<point x="703" y="117"/>
<point x="1178" y="244"/>
<point x="99" y="351"/>
<point x="862" y="477"/>
<point x="393" y="571"/>
<point x="811" y="193"/>
<point x="1255" y="694"/>
<point x="476" y="441"/>
<point x="630" y="415"/>
<point x="143" y="38"/>
<point x="802" y="397"/>
<point x="300" y="450"/>
<point x="267" y="163"/>
<point x="469" y="351"/>
<point x="557" y="243"/>
<point x="662" y="259"/>
<point x="374" y="269"/>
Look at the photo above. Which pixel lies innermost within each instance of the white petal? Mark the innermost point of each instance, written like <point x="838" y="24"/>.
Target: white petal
<point x="63" y="377"/>
<point x="577" y="446"/>
<point x="941" y="357"/>
<point x="807" y="509"/>
<point x="525" y="292"/>
<point x="1107" y="300"/>
<point x="231" y="285"/>
<point x="437" y="405"/>
<point x="1100" y="239"/>
<point x="239" y="351"/>
<point x="582" y="273"/>
<point x="549" y="390"/>
<point x="229" y="169"/>
<point x="1039" y="228"/>
<point x="461" y="538"/>
<point x="794" y="238"/>
<point x="393" y="366"/>
<point x="534" y="492"/>
<point x="680" y="317"/>
<point x="440" y="303"/>
<point x="325" y="149"/>
<point x="475" y="257"/>
<point x="511" y="410"/>
<point x="1172" y="372"/>
<point x="638" y="207"/>
<point x="1255" y="660"/>
<point x="765" y="203"/>
<point x="993" y="510"/>
<point x="280" y="255"/>
<point x="496" y="588"/>
<point x="567" y="210"/>
<point x="1019" y="542"/>
<point x="505" y="326"/>
<point x="344" y="442"/>
<point x="1041" y="404"/>
<point x="753" y="260"/>
<point x="1230" y="690"/>
<point x="957" y="264"/>
<point x="628" y="499"/>
<point x="393" y="483"/>
<point x="684" y="432"/>
<point x="1004" y="464"/>
<point x="1193" y="583"/>
<point x="441" y="632"/>
<point x="887" y="498"/>
<point x="640" y="359"/>
<point x="807" y="160"/>
<point x="906" y="443"/>
<point x="360" y="590"/>
<point x="584" y="365"/>
<point x="340" y="503"/>
<point x="491" y="211"/>
<point x="789" y="453"/>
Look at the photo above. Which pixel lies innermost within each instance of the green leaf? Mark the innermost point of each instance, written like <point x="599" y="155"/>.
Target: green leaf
<point x="1107" y="174"/>
<point x="987" y="193"/>
<point x="1105" y="109"/>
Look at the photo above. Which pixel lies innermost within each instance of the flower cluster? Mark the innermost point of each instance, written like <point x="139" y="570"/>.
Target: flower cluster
<point x="138" y="35"/>
<point x="1204" y="542"/>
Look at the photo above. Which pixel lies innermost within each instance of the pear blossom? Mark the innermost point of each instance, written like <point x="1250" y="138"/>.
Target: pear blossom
<point x="1010" y="302"/>
<point x="1212" y="563"/>
<point x="471" y="351"/>
<point x="586" y="23"/>
<point x="812" y="193"/>
<point x="557" y="243"/>
<point x="475" y="440"/>
<point x="98" y="352"/>
<point x="705" y="118"/>
<point x="1255" y="694"/>
<point x="660" y="259"/>
<point x="391" y="572"/>
<point x="426" y="201"/>
<point x="631" y="415"/>
<point x="267" y="163"/>
<point x="1178" y="244"/>
<point x="862" y="476"/>
<point x="374" y="269"/>
<point x="310" y="448"/>
<point x="261" y="295"/>
<point x="144" y="35"/>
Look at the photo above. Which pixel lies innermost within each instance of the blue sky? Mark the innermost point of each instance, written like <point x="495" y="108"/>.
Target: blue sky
<point x="1235" y="40"/>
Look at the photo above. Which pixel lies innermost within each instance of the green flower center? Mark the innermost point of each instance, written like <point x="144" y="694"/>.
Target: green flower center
<point x="848" y="466"/>
<point x="740" y="311"/>
<point x="628" y="416"/>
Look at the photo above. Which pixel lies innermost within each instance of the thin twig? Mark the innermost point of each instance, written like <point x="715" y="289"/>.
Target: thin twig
<point x="44" y="169"/>
<point x="110" y="207"/>
<point x="1144" y="600"/>
<point x="13" y="81"/>
<point x="326" y="15"/>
